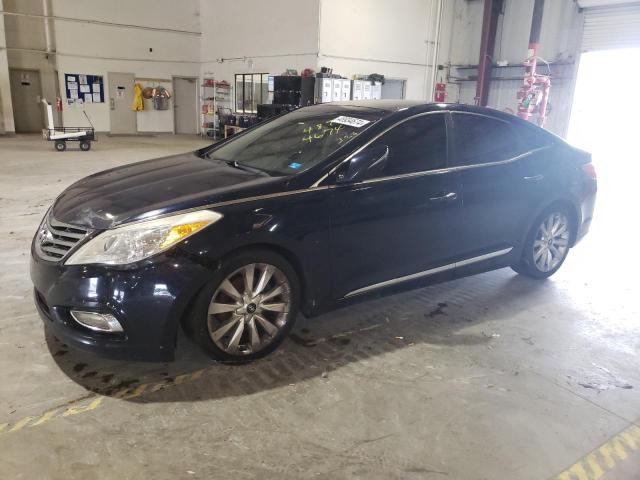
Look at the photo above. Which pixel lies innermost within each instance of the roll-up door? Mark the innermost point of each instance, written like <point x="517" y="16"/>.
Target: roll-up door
<point x="606" y="28"/>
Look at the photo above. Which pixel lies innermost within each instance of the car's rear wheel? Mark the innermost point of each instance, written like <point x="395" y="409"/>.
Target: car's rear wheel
<point x="547" y="245"/>
<point x="248" y="309"/>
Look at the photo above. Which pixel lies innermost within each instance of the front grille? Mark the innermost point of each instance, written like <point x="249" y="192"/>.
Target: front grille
<point x="55" y="239"/>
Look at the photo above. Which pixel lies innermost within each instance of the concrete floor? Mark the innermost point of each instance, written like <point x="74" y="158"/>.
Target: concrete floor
<point x="490" y="377"/>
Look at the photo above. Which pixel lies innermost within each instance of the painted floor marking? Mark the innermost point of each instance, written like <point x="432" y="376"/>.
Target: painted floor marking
<point x="87" y="405"/>
<point x="606" y="457"/>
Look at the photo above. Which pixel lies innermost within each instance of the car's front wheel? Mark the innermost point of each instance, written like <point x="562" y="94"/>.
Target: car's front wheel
<point x="248" y="309"/>
<point x="547" y="245"/>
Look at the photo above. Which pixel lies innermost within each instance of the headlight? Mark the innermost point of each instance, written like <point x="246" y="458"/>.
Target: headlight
<point x="140" y="240"/>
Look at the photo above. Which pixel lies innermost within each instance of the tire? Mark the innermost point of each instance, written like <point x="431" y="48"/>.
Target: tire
<point x="216" y="317"/>
<point x="60" y="145"/>
<point x="544" y="254"/>
<point x="85" y="145"/>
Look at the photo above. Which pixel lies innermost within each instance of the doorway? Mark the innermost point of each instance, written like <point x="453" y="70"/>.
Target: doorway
<point x="26" y="92"/>
<point x="603" y="120"/>
<point x="185" y="105"/>
<point x="122" y="116"/>
<point x="604" y="123"/>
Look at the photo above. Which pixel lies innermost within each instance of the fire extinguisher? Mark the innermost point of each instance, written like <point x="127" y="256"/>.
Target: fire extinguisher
<point x="441" y="93"/>
<point x="58" y="104"/>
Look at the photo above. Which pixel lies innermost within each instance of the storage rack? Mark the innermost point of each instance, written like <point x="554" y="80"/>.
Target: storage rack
<point x="213" y="96"/>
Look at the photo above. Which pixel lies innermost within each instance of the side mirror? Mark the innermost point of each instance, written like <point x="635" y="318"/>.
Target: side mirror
<point x="369" y="161"/>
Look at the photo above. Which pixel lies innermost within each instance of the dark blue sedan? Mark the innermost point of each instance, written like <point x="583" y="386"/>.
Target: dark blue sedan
<point x="306" y="212"/>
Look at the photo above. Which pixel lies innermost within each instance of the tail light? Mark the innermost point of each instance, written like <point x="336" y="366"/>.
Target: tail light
<point x="590" y="170"/>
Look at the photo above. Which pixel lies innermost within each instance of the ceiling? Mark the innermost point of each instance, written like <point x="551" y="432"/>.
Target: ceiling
<point x="603" y="3"/>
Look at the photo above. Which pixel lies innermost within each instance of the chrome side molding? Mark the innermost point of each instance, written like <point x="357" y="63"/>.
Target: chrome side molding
<point x="431" y="271"/>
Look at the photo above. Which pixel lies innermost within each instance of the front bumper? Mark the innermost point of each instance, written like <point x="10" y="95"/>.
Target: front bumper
<point x="148" y="301"/>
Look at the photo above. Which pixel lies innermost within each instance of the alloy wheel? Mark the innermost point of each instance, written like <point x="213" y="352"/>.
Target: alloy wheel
<point x="249" y="308"/>
<point x="551" y="242"/>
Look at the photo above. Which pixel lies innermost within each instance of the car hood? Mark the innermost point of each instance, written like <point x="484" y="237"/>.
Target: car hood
<point x="155" y="187"/>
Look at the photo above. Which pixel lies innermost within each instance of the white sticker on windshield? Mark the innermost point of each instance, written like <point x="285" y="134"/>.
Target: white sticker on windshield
<point x="350" y="121"/>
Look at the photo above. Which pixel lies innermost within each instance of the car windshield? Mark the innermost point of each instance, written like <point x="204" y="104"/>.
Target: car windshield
<point x="298" y="140"/>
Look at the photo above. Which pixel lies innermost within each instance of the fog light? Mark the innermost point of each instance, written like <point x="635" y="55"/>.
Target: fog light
<point x="100" y="322"/>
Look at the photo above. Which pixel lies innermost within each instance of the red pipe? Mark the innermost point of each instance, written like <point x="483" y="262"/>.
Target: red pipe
<point x="492" y="9"/>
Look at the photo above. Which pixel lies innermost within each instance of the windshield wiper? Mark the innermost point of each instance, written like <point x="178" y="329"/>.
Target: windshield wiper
<point x="246" y="168"/>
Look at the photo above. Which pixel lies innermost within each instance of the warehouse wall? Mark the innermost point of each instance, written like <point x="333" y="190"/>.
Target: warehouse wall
<point x="258" y="37"/>
<point x="395" y="39"/>
<point x="27" y="45"/>
<point x="559" y="43"/>
<point x="6" y="111"/>
<point x="97" y="49"/>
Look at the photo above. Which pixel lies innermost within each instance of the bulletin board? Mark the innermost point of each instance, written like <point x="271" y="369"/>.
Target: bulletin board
<point x="82" y="88"/>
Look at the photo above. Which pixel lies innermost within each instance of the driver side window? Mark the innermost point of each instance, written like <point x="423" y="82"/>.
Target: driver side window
<point x="417" y="145"/>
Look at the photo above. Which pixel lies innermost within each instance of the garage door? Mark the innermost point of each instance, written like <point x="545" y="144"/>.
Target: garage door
<point x="606" y="28"/>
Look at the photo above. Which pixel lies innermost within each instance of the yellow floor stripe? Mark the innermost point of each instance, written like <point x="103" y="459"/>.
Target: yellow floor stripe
<point x="605" y="457"/>
<point x="96" y="402"/>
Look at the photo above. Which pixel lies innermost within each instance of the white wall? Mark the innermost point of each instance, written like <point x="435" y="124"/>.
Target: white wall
<point x="392" y="38"/>
<point x="6" y="110"/>
<point x="97" y="49"/>
<point x="245" y="36"/>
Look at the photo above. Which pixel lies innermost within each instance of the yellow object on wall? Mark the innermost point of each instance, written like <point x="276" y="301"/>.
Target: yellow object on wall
<point x="138" y="104"/>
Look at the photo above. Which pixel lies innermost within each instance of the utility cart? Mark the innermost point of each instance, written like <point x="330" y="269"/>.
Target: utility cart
<point x="61" y="135"/>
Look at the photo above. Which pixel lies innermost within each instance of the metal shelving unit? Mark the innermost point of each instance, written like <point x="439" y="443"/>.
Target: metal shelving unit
<point x="213" y="95"/>
<point x="208" y="124"/>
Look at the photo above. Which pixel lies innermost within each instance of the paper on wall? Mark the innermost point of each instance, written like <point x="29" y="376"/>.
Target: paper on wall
<point x="88" y="98"/>
<point x="73" y="94"/>
<point x="96" y="98"/>
<point x="85" y="88"/>
<point x="96" y="87"/>
<point x="83" y="79"/>
<point x="71" y="79"/>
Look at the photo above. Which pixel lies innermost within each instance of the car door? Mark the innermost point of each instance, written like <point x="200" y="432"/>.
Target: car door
<point x="499" y="183"/>
<point x="394" y="222"/>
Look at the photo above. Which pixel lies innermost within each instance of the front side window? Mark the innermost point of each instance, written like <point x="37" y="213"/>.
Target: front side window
<point x="298" y="140"/>
<point x="480" y="139"/>
<point x="417" y="145"/>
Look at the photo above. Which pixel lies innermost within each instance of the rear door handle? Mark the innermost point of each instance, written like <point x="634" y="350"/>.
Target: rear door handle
<point x="449" y="197"/>
<point x="534" y="178"/>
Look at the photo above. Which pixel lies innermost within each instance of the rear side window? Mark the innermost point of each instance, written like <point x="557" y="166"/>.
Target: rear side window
<point x="533" y="137"/>
<point x="480" y="139"/>
<point x="417" y="145"/>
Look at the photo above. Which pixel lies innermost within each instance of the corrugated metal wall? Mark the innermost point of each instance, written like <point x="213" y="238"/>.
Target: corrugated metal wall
<point x="607" y="28"/>
<point x="559" y="45"/>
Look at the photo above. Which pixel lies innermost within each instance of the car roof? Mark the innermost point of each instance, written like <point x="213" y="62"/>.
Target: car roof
<point x="388" y="105"/>
<point x="415" y="106"/>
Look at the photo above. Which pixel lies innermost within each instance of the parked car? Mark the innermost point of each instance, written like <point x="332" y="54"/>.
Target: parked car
<point x="305" y="212"/>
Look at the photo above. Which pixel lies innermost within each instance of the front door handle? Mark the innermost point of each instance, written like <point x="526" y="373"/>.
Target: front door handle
<point x="448" y="197"/>
<point x="534" y="178"/>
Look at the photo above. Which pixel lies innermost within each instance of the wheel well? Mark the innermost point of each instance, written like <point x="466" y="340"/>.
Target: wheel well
<point x="287" y="254"/>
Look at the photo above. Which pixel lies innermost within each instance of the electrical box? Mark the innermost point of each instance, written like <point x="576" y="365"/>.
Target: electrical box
<point x="366" y="90"/>
<point x="356" y="89"/>
<point x="336" y="90"/>
<point x="323" y="89"/>
<point x="376" y="91"/>
<point x="346" y="90"/>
